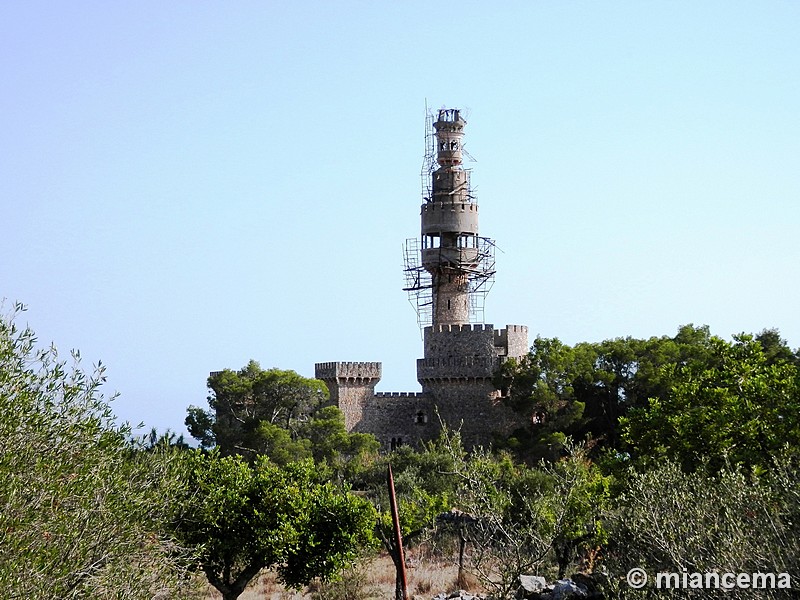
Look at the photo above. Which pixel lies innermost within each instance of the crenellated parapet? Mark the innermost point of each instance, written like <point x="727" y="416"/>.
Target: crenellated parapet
<point x="459" y="328"/>
<point x="354" y="372"/>
<point x="441" y="341"/>
<point x="512" y="342"/>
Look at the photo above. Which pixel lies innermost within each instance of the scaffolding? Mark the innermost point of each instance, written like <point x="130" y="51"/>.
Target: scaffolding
<point x="429" y="164"/>
<point x="419" y="282"/>
<point x="480" y="270"/>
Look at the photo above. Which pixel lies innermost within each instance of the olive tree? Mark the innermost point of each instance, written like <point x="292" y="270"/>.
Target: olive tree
<point x="731" y="521"/>
<point x="82" y="511"/>
<point x="526" y="520"/>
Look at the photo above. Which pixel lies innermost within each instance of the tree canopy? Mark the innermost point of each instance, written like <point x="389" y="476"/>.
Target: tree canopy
<point x="240" y="401"/>
<point x="618" y="393"/>
<point x="243" y="518"/>
<point x="741" y="405"/>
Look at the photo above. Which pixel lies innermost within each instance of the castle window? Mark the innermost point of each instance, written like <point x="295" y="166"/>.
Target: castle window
<point x="420" y="418"/>
<point x="396" y="443"/>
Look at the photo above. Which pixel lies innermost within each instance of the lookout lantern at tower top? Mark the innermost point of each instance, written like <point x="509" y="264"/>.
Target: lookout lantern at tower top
<point x="449" y="128"/>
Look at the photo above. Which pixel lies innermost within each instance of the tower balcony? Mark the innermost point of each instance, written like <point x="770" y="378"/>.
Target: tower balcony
<point x="459" y="258"/>
<point x="450" y="217"/>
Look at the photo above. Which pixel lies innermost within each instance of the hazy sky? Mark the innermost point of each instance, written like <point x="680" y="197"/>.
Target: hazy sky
<point x="187" y="185"/>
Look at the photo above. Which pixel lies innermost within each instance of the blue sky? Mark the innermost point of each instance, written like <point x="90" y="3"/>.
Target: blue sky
<point x="185" y="186"/>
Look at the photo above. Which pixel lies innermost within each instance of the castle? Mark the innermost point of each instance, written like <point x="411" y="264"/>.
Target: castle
<point x="449" y="269"/>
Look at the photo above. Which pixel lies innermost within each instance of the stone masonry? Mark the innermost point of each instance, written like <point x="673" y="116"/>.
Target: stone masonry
<point x="459" y="357"/>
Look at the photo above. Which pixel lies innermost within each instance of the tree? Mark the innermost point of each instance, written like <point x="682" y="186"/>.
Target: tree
<point x="525" y="519"/>
<point x="775" y="348"/>
<point x="241" y="400"/>
<point x="276" y="442"/>
<point x="243" y="518"/>
<point x="541" y="386"/>
<point x="423" y="481"/>
<point x="337" y="452"/>
<point x="741" y="405"/>
<point x="583" y="390"/>
<point x="84" y="510"/>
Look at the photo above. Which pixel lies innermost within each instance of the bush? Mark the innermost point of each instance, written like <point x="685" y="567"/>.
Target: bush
<point x="670" y="522"/>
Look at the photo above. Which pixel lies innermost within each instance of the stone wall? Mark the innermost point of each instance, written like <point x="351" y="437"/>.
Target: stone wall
<point x="458" y="340"/>
<point x="456" y="377"/>
<point x="399" y="418"/>
<point x="351" y="386"/>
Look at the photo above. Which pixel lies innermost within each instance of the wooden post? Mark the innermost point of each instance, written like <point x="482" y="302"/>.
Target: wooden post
<point x="401" y="586"/>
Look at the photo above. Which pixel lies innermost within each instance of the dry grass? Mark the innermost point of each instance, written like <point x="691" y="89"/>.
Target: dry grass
<point x="427" y="575"/>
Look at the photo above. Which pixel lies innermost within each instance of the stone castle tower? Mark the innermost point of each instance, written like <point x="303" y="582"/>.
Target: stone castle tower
<point x="449" y="269"/>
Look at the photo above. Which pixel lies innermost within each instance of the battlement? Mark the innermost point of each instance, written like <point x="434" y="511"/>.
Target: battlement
<point x="512" y="341"/>
<point x="513" y="329"/>
<point x="458" y="328"/>
<point x="399" y="395"/>
<point x="348" y="370"/>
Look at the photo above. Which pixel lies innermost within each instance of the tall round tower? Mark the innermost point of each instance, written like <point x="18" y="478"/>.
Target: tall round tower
<point x="450" y="226"/>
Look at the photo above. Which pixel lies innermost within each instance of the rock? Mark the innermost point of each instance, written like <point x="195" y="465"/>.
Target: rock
<point x="588" y="582"/>
<point x="532" y="583"/>
<point x="566" y="588"/>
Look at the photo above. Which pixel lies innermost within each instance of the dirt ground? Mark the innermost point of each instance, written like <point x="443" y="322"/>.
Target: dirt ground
<point x="426" y="577"/>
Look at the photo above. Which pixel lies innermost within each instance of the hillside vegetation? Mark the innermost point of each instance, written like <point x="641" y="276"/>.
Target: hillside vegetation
<point x="670" y="454"/>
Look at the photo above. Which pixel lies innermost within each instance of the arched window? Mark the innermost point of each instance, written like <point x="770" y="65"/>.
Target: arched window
<point x="420" y="418"/>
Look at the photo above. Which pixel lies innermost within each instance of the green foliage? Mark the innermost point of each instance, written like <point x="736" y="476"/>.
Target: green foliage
<point x="338" y="453"/>
<point x="732" y="521"/>
<point x="281" y="415"/>
<point x="541" y="386"/>
<point x="740" y="405"/>
<point x="82" y="511"/>
<point x="241" y="400"/>
<point x="243" y="518"/>
<point x="685" y="396"/>
<point x="425" y="486"/>
<point x="526" y="519"/>
<point x="274" y="441"/>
